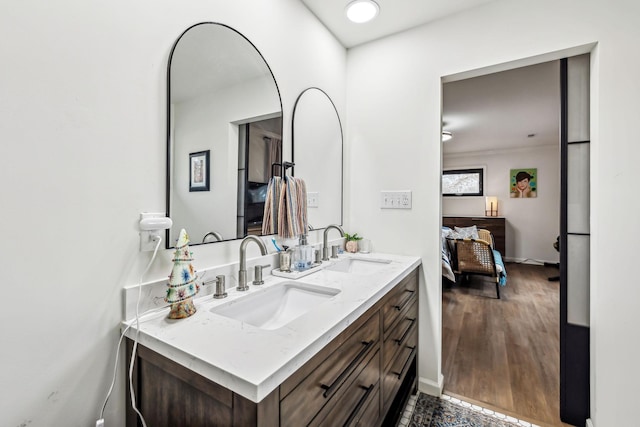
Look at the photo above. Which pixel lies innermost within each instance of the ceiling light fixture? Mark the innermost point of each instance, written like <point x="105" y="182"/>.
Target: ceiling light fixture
<point x="446" y="135"/>
<point x="360" y="11"/>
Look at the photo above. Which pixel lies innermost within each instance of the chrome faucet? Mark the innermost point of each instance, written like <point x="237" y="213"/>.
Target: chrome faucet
<point x="215" y="234"/>
<point x="242" y="273"/>
<point x="325" y="248"/>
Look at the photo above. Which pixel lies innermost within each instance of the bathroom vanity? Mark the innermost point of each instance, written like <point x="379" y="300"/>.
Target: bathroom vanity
<point x="349" y="360"/>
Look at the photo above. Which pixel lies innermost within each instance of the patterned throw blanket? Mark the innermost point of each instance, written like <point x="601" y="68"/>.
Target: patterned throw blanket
<point x="502" y="271"/>
<point x="447" y="271"/>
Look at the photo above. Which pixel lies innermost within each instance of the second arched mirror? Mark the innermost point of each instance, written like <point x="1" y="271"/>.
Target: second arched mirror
<point x="317" y="154"/>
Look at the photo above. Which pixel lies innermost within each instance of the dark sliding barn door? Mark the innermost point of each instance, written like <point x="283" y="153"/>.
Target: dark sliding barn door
<point x="574" y="240"/>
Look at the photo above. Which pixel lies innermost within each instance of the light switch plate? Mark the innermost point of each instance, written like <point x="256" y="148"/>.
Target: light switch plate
<point x="395" y="199"/>
<point x="313" y="199"/>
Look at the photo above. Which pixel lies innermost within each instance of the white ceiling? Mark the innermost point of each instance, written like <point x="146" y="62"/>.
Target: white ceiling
<point x="498" y="111"/>
<point x="394" y="16"/>
<point x="492" y="112"/>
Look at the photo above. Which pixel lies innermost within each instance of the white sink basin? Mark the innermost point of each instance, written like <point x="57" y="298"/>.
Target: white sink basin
<point x="359" y="265"/>
<point x="277" y="305"/>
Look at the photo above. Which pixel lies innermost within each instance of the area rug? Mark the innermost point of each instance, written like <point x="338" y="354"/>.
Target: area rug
<point x="430" y="411"/>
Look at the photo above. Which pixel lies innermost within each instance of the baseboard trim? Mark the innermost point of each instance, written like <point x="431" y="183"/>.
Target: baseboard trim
<point x="528" y="261"/>
<point x="590" y="423"/>
<point x="433" y="388"/>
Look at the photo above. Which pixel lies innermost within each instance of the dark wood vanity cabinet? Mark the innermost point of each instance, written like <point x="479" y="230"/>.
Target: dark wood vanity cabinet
<point x="168" y="394"/>
<point x="361" y="378"/>
<point x="399" y="346"/>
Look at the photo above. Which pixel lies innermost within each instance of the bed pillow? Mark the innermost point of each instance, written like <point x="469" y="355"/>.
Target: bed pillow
<point x="444" y="233"/>
<point x="467" y="232"/>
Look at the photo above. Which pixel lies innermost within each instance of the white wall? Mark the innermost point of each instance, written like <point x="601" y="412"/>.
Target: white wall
<point x="399" y="79"/>
<point x="82" y="154"/>
<point x="531" y="224"/>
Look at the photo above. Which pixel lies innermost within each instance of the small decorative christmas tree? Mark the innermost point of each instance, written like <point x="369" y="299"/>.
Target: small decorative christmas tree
<point x="182" y="281"/>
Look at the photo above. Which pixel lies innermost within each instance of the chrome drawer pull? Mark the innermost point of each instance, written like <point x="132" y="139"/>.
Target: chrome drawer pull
<point x="406" y="363"/>
<point x="330" y="389"/>
<point x="401" y="339"/>
<point x="361" y="402"/>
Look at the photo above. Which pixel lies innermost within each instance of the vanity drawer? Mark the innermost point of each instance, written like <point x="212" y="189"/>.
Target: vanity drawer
<point x="371" y="413"/>
<point x="360" y="400"/>
<point x="400" y="334"/>
<point x="309" y="389"/>
<point x="399" y="366"/>
<point x="399" y="299"/>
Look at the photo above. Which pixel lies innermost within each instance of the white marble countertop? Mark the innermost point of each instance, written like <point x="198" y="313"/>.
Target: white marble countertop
<point x="251" y="361"/>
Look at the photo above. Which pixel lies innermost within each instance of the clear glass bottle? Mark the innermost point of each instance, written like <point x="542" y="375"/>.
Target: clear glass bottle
<point x="302" y="255"/>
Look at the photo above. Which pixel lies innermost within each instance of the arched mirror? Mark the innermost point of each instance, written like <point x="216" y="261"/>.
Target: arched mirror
<point x="224" y="131"/>
<point x="317" y="154"/>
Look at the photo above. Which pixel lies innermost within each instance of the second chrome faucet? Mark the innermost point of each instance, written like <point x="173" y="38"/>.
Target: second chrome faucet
<point x="325" y="247"/>
<point x="242" y="273"/>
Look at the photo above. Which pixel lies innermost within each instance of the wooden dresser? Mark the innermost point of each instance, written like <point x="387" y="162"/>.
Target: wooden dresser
<point x="495" y="224"/>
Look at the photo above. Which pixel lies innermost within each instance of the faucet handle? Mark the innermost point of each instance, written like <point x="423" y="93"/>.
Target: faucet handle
<point x="220" y="287"/>
<point x="334" y="251"/>
<point x="258" y="274"/>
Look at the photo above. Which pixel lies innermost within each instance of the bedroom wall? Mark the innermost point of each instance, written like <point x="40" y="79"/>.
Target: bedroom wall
<point x="82" y="154"/>
<point x="398" y="78"/>
<point x="532" y="225"/>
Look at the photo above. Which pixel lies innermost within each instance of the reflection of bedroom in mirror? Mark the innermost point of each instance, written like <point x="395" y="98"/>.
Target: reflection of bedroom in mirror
<point x="260" y="145"/>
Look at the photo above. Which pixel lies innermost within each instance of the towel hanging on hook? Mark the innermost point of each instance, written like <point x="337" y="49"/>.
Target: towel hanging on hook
<point x="283" y="166"/>
<point x="285" y="209"/>
<point x="292" y="209"/>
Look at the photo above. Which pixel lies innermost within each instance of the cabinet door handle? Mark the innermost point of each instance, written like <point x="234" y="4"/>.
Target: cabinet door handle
<point x="406" y="363"/>
<point x="406" y="332"/>
<point x="361" y="402"/>
<point x="404" y="304"/>
<point x="330" y="389"/>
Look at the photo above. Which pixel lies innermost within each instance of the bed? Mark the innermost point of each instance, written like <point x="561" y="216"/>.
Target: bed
<point x="447" y="269"/>
<point x="471" y="250"/>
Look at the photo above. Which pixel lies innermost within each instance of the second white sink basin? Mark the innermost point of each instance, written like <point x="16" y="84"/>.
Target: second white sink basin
<point x="277" y="305"/>
<point x="359" y="265"/>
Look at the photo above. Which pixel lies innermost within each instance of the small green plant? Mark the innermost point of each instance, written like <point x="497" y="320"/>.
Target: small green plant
<point x="352" y="237"/>
<point x="351" y="244"/>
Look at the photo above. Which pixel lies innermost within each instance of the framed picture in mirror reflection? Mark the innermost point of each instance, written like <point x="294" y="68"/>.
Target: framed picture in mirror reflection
<point x="199" y="171"/>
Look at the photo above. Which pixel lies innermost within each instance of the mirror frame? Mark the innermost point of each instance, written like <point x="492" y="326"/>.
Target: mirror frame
<point x="293" y="147"/>
<point x="168" y="244"/>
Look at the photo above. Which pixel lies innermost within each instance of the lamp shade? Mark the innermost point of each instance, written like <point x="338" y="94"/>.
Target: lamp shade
<point x="491" y="206"/>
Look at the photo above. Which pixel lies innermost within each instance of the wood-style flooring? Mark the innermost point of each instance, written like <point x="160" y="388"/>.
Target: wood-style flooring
<point x="504" y="353"/>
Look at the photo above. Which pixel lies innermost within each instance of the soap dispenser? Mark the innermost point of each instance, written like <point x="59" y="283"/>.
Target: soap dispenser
<point x="303" y="255"/>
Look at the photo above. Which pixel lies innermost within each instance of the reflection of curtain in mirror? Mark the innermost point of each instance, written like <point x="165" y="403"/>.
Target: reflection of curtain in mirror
<point x="274" y="153"/>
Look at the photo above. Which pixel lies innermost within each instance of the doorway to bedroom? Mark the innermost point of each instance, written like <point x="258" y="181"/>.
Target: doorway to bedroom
<point x="503" y="352"/>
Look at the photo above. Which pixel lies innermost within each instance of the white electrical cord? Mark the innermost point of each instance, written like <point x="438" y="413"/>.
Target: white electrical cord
<point x="100" y="421"/>
<point x="115" y="369"/>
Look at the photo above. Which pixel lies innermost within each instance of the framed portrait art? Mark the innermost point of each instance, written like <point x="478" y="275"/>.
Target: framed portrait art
<point x="199" y="171"/>
<point x="524" y="183"/>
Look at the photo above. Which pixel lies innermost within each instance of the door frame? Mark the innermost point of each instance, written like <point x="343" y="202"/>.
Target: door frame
<point x="522" y="62"/>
